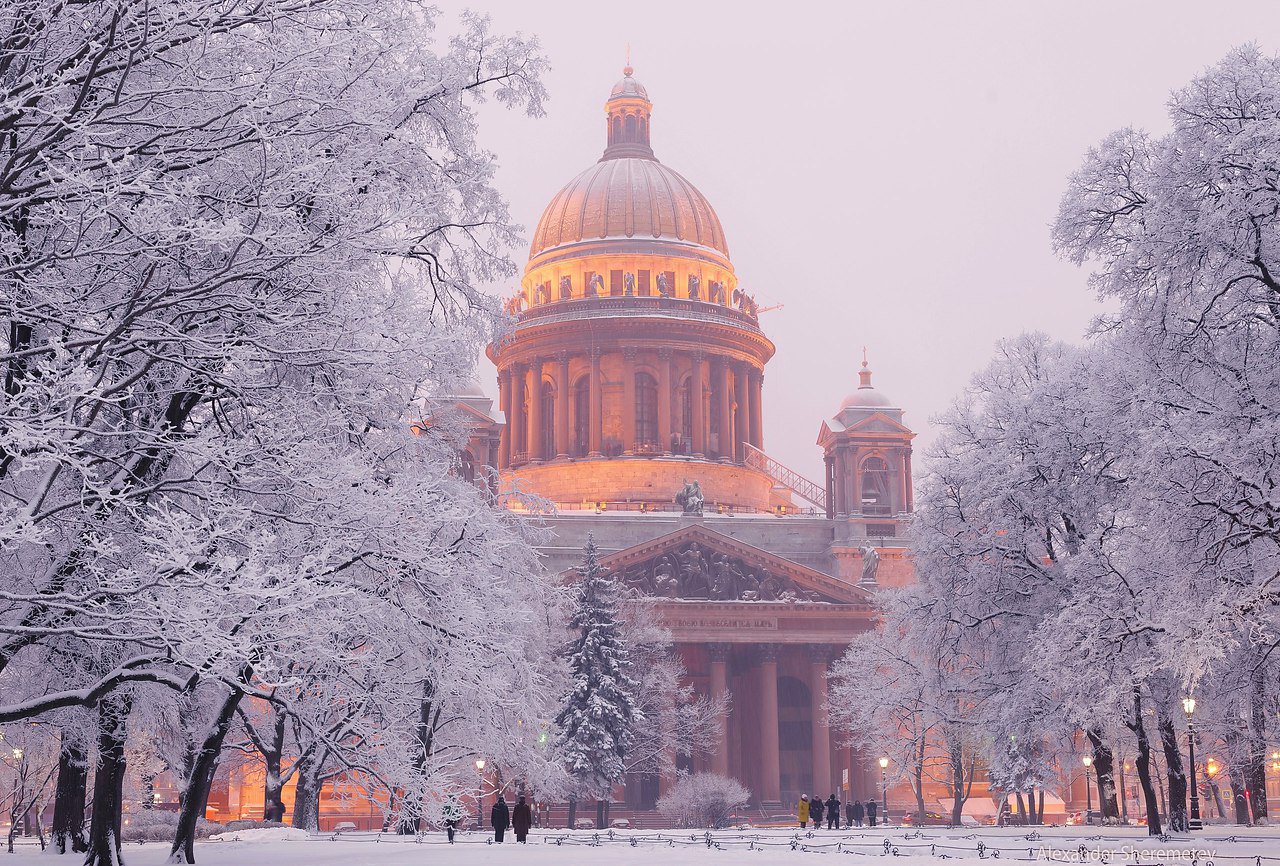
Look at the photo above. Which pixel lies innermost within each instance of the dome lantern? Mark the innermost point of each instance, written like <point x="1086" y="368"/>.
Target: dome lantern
<point x="628" y="110"/>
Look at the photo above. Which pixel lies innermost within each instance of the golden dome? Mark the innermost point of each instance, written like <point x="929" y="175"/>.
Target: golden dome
<point x="629" y="198"/>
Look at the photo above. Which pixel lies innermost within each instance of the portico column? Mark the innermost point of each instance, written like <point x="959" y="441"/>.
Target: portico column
<point x="697" y="398"/>
<point x="629" y="400"/>
<point x="504" y="403"/>
<point x="564" y="395"/>
<point x="741" y="415"/>
<point x="535" y="411"/>
<point x="910" y="500"/>
<point x="519" y="422"/>
<point x="594" y="432"/>
<point x="831" y="490"/>
<point x="664" y="399"/>
<point x="771" y="765"/>
<point x="819" y="657"/>
<point x="719" y="653"/>
<point x="757" y="410"/>
<point x="721" y="388"/>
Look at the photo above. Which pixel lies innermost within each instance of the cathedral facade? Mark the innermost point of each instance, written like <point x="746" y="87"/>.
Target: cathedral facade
<point x="631" y="397"/>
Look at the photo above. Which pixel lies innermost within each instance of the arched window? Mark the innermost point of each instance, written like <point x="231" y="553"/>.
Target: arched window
<point x="617" y="130"/>
<point x="685" y="442"/>
<point x="875" y="487"/>
<point x="548" y="422"/>
<point x="631" y="127"/>
<point x="582" y="417"/>
<point x="467" y="465"/>
<point x="647" y="414"/>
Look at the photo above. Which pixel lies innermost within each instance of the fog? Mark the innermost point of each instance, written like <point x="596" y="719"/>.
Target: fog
<point x="886" y="172"/>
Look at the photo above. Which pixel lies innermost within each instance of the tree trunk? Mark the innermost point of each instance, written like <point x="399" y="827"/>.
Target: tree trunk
<point x="573" y="812"/>
<point x="918" y="787"/>
<point x="1257" y="771"/>
<point x="1232" y="738"/>
<point x="1040" y="807"/>
<point x="1104" y="767"/>
<point x="1220" y="806"/>
<point x="1143" y="764"/>
<point x="306" y="798"/>
<point x="108" y="782"/>
<point x="1022" y="808"/>
<point x="957" y="787"/>
<point x="599" y="814"/>
<point x="194" y="799"/>
<point x="1177" y="775"/>
<point x="68" y="798"/>
<point x="273" y="786"/>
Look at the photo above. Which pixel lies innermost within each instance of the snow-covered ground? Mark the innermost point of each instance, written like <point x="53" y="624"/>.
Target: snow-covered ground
<point x="1222" y="846"/>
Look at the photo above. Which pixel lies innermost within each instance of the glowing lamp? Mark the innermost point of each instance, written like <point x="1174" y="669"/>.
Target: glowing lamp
<point x="1087" y="761"/>
<point x="479" y="763"/>
<point x="1211" y="766"/>
<point x="17" y="754"/>
<point x="1188" y="705"/>
<point x="884" y="762"/>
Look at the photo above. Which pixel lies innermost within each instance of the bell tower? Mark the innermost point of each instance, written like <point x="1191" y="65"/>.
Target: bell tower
<point x="867" y="451"/>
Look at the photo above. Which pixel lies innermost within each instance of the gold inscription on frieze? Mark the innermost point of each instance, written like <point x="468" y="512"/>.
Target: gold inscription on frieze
<point x="722" y="622"/>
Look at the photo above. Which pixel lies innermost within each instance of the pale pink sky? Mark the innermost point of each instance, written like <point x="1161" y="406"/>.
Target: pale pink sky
<point x="887" y="171"/>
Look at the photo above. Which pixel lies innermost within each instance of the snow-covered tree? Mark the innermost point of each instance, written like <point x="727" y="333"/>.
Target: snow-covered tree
<point x="599" y="713"/>
<point x="703" y="801"/>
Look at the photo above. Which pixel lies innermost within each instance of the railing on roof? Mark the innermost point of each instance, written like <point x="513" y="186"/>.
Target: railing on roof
<point x="637" y="305"/>
<point x="788" y="478"/>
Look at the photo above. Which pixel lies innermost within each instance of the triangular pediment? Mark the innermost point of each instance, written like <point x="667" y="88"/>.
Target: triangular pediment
<point x="879" y="423"/>
<point x="696" y="563"/>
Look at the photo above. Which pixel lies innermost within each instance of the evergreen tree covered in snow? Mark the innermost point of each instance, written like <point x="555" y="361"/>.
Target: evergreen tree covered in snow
<point x="600" y="710"/>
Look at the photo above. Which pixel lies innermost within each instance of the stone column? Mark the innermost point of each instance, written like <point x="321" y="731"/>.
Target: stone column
<point x="911" y="497"/>
<point x="596" y="408"/>
<point x="697" y="398"/>
<point x="757" y="409"/>
<point x="831" y="489"/>
<point x="721" y="388"/>
<point x="504" y="403"/>
<point x="819" y="658"/>
<point x="719" y="653"/>
<point x="855" y="480"/>
<point x="518" y="421"/>
<point x="629" y="401"/>
<point x="535" y="411"/>
<point x="564" y="396"/>
<point x="665" y="378"/>
<point x="742" y="414"/>
<point x="770" y="760"/>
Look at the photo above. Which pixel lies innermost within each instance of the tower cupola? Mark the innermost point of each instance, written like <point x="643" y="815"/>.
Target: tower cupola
<point x="628" y="110"/>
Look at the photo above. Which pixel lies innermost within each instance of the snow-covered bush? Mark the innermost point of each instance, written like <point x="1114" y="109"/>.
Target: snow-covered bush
<point x="703" y="800"/>
<point x="156" y="825"/>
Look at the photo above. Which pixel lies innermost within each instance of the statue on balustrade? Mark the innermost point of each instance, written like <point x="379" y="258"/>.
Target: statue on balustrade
<point x="870" y="563"/>
<point x="690" y="498"/>
<point x="628" y="283"/>
<point x="566" y="288"/>
<point x="664" y="289"/>
<point x="596" y="286"/>
<point x="695" y="286"/>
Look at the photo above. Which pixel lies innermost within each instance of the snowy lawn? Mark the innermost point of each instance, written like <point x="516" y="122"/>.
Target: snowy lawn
<point x="1219" y="846"/>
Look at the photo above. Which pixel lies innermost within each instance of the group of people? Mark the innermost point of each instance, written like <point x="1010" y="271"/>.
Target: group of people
<point x="814" y="809"/>
<point x="501" y="816"/>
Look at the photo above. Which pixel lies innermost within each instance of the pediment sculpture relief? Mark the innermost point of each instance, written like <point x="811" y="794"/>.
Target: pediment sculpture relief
<point x="694" y="571"/>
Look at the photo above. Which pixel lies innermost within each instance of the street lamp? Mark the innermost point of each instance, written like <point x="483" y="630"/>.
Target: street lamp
<point x="1088" y="789"/>
<point x="1189" y="707"/>
<point x="884" y="791"/>
<point x="480" y="795"/>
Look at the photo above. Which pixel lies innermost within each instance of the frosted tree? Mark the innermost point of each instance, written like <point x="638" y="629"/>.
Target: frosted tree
<point x="598" y="717"/>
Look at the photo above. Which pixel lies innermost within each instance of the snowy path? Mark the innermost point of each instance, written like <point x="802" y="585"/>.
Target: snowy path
<point x="1124" y="847"/>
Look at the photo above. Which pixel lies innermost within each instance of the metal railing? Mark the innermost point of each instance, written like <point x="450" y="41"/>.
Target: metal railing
<point x="788" y="478"/>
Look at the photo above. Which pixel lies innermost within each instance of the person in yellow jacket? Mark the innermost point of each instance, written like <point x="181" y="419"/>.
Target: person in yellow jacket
<point x="802" y="810"/>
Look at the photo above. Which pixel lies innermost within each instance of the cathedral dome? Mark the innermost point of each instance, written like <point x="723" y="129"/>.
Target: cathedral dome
<point x="629" y="197"/>
<point x="865" y="396"/>
<point x="628" y="87"/>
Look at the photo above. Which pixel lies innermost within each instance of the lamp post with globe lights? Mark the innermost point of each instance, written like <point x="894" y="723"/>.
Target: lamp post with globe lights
<point x="884" y="790"/>
<point x="1088" y="789"/>
<point x="1189" y="707"/>
<point x="480" y="795"/>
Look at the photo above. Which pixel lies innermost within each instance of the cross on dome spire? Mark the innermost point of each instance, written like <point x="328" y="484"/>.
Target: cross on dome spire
<point x="864" y="375"/>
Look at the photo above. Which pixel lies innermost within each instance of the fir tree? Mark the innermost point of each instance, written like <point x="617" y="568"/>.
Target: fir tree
<point x="597" y="718"/>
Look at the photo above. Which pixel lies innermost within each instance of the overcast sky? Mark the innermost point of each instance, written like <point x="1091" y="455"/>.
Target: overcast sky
<point x="886" y="171"/>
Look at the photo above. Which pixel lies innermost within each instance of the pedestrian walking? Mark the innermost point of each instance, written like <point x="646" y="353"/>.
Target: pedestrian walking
<point x="871" y="813"/>
<point x="848" y="814"/>
<point x="802" y="810"/>
<point x="816" y="807"/>
<point x="500" y="818"/>
<point x="857" y="812"/>
<point x="521" y="820"/>
<point x="452" y="814"/>
<point x="833" y="813"/>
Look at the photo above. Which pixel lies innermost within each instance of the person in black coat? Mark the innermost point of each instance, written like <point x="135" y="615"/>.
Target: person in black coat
<point x="815" y="810"/>
<point x="857" y="812"/>
<point x="871" y="813"/>
<point x="521" y="820"/>
<point x="500" y="818"/>
<point x="833" y="813"/>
